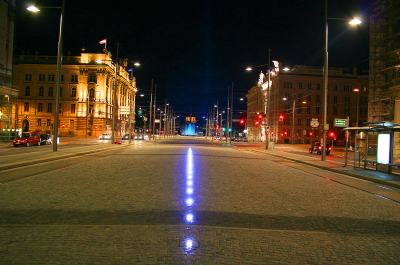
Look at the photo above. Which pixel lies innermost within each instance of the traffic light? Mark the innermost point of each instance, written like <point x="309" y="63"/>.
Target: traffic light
<point x="258" y="119"/>
<point x="332" y="135"/>
<point x="242" y="121"/>
<point x="281" y="117"/>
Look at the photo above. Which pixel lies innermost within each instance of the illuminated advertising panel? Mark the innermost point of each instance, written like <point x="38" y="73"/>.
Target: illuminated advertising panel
<point x="383" y="148"/>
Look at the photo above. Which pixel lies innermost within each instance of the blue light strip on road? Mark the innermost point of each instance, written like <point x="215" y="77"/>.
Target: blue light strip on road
<point x="189" y="242"/>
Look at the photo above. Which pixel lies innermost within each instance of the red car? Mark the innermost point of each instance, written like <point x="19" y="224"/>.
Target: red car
<point x="27" y="139"/>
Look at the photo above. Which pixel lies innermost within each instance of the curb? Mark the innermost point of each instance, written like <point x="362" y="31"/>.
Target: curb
<point x="394" y="185"/>
<point x="48" y="159"/>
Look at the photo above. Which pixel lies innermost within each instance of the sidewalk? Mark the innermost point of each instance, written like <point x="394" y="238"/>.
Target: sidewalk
<point x="334" y="166"/>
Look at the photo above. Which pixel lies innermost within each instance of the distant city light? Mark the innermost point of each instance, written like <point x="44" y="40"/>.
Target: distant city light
<point x="142" y="95"/>
<point x="249" y="69"/>
<point x="285" y="98"/>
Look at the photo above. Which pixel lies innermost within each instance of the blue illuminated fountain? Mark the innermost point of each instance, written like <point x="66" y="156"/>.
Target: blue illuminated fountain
<point x="190" y="129"/>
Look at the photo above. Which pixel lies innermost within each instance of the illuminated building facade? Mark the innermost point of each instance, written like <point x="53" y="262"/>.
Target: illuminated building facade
<point x="302" y="85"/>
<point x="8" y="94"/>
<point x="86" y="96"/>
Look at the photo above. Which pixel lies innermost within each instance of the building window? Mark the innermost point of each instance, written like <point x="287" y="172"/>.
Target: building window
<point x="27" y="91"/>
<point x="50" y="78"/>
<point x="298" y="121"/>
<point x="335" y="100"/>
<point x="308" y="121"/>
<point x="309" y="85"/>
<point x="60" y="108"/>
<point x="335" y="88"/>
<point x="62" y="78"/>
<point x="41" y="91"/>
<point x="28" y="77"/>
<point x="74" y="78"/>
<point x="287" y="84"/>
<point x="26" y="106"/>
<point x="318" y="98"/>
<point x="308" y="110"/>
<point x="91" y="93"/>
<point x="48" y="123"/>
<point x="92" y="78"/>
<point x="50" y="92"/>
<point x="317" y="110"/>
<point x="72" y="108"/>
<point x="42" y="77"/>
<point x="318" y="86"/>
<point x="40" y="107"/>
<point x="73" y="92"/>
<point x="61" y="90"/>
<point x="39" y="122"/>
<point x="346" y="88"/>
<point x="49" y="107"/>
<point x="71" y="123"/>
<point x="334" y="110"/>
<point x="300" y="85"/>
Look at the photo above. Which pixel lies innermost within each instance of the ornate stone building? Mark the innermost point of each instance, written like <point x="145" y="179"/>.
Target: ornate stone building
<point x="86" y="96"/>
<point x="302" y="88"/>
<point x="7" y="93"/>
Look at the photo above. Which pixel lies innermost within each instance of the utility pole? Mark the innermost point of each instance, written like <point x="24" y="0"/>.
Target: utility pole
<point x="293" y="107"/>
<point x="231" y="115"/>
<point x="165" y="119"/>
<point x="114" y="100"/>
<point x="154" y="111"/>
<point x="323" y="156"/>
<point x="268" y="125"/>
<point x="228" y="109"/>
<point x="151" y="105"/>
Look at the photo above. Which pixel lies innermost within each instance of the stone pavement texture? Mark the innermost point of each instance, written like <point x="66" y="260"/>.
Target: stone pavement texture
<point x="128" y="206"/>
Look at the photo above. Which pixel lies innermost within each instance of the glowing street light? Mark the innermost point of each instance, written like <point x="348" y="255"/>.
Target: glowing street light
<point x="249" y="69"/>
<point x="137" y="64"/>
<point x="286" y="69"/>
<point x="32" y="8"/>
<point x="355" y="21"/>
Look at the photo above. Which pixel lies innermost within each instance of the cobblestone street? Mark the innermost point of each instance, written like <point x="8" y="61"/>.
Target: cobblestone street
<point x="188" y="203"/>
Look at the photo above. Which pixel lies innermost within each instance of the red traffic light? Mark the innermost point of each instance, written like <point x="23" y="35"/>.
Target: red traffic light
<point x="241" y="121"/>
<point x="281" y="117"/>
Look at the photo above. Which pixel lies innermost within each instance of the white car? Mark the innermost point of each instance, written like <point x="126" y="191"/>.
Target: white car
<point x="105" y="136"/>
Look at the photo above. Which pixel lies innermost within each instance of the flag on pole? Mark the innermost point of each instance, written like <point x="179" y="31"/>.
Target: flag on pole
<point x="104" y="42"/>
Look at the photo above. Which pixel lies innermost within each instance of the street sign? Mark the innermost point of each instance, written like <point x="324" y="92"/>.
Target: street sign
<point x="341" y="122"/>
<point x="314" y="123"/>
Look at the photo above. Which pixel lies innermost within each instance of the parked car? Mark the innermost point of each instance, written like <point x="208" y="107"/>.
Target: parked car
<point x="105" y="136"/>
<point x="45" y="139"/>
<point x="139" y="136"/>
<point x="317" y="148"/>
<point x="27" y="139"/>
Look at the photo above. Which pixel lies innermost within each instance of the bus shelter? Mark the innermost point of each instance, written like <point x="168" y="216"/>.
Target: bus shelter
<point x="374" y="146"/>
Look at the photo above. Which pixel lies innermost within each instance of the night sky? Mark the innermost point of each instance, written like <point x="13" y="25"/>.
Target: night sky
<point x="195" y="49"/>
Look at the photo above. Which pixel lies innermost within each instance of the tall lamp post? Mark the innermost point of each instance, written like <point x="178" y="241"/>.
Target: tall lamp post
<point x="353" y="22"/>
<point x="35" y="9"/>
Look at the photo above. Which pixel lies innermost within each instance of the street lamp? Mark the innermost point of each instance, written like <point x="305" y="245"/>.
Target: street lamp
<point x="357" y="90"/>
<point x="34" y="9"/>
<point x="293" y="112"/>
<point x="353" y="22"/>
